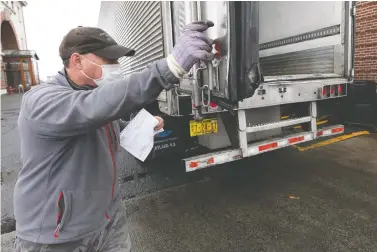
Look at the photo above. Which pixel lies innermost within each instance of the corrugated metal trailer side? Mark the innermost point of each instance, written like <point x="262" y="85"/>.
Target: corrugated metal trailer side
<point x="137" y="25"/>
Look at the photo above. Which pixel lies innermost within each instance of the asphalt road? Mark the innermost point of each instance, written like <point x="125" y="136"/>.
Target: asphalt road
<point x="318" y="200"/>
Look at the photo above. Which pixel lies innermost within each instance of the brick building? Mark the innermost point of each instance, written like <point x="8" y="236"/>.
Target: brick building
<point x="366" y="41"/>
<point x="18" y="64"/>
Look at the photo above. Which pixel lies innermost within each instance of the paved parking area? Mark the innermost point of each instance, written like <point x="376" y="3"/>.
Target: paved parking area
<point x="319" y="200"/>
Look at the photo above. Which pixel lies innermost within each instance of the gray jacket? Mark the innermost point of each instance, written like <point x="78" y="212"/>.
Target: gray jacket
<point x="67" y="188"/>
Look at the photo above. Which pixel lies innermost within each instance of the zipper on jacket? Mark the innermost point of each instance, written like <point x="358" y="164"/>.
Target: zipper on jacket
<point x="113" y="161"/>
<point x="115" y="137"/>
<point x="56" y="232"/>
<point x="59" y="216"/>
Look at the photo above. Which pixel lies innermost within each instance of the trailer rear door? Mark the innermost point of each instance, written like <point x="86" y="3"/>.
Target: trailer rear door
<point x="269" y="41"/>
<point x="236" y="73"/>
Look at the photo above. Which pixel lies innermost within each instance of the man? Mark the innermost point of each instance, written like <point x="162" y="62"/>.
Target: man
<point x="66" y="197"/>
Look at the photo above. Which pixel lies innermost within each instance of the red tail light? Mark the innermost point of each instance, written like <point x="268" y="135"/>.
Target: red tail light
<point x="324" y="91"/>
<point x="332" y="90"/>
<point x="341" y="90"/>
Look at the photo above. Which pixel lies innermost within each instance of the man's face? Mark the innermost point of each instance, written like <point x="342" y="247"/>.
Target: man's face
<point x="90" y="64"/>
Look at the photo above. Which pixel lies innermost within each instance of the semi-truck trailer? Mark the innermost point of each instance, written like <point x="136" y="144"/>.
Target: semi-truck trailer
<point x="278" y="65"/>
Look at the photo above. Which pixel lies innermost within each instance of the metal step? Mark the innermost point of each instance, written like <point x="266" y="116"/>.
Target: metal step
<point x="280" y="124"/>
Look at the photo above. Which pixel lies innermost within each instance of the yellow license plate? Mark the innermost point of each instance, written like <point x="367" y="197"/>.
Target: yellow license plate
<point x="207" y="126"/>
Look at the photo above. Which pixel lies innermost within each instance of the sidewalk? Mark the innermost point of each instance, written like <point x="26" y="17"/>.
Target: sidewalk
<point x="10" y="102"/>
<point x="7" y="242"/>
<point x="10" y="156"/>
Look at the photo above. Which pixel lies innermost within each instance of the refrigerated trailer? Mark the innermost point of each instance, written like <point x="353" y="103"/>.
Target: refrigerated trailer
<point x="277" y="65"/>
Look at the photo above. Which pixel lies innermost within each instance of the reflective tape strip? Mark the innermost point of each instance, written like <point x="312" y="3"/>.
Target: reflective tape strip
<point x="216" y="158"/>
<point x="334" y="130"/>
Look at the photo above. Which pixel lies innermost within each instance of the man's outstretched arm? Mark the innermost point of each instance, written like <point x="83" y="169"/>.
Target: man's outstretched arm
<point x="58" y="111"/>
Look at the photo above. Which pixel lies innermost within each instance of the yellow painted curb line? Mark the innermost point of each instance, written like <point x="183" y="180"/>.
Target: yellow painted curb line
<point x="322" y="122"/>
<point x="332" y="140"/>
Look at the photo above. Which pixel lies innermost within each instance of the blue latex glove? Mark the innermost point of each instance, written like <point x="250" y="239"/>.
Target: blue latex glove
<point x="193" y="46"/>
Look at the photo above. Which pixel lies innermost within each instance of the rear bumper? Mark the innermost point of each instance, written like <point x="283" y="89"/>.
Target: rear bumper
<point x="221" y="157"/>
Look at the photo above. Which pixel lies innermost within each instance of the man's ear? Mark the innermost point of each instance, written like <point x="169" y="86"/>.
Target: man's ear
<point x="76" y="61"/>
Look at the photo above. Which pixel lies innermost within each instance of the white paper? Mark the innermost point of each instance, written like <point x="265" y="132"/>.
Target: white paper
<point x="138" y="136"/>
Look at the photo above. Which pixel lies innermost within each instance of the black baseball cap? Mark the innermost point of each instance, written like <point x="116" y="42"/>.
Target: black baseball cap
<point x="94" y="40"/>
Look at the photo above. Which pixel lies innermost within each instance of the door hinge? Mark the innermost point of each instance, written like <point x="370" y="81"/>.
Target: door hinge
<point x="353" y="11"/>
<point x="352" y="72"/>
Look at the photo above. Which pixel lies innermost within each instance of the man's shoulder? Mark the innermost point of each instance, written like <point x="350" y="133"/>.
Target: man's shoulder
<point x="49" y="87"/>
<point x="44" y="94"/>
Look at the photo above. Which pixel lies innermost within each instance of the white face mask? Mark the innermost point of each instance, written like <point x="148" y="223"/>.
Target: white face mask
<point x="110" y="73"/>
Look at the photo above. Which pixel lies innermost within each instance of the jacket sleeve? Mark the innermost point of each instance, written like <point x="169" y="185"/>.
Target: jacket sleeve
<point x="58" y="111"/>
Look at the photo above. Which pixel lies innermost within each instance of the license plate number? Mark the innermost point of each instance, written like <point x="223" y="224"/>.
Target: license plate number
<point x="207" y="126"/>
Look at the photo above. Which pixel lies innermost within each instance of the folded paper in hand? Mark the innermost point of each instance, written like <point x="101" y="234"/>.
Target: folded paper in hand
<point x="138" y="137"/>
